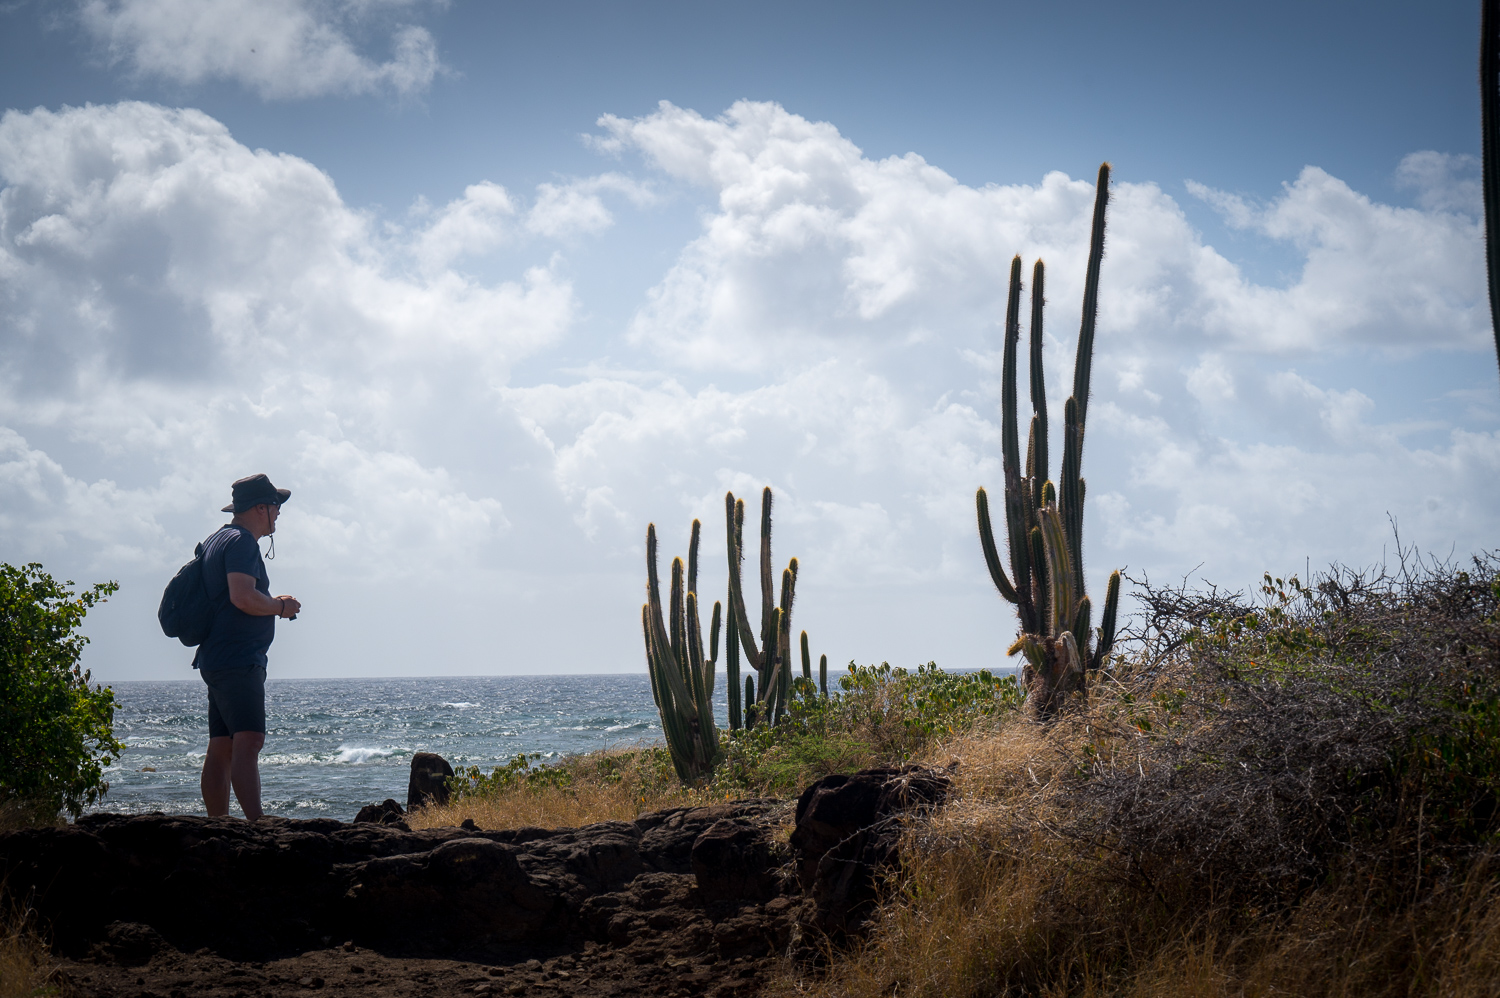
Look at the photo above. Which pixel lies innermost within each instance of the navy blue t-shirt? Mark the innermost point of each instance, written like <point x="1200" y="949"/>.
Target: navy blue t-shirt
<point x="237" y="639"/>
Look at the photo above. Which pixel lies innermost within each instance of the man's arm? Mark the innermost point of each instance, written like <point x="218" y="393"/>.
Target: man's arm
<point x="244" y="595"/>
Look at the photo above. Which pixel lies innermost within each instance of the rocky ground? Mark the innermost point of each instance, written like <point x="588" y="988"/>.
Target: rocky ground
<point x="689" y="901"/>
<point x="641" y="966"/>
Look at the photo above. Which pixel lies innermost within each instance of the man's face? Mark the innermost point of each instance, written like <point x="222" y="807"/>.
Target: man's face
<point x="270" y="511"/>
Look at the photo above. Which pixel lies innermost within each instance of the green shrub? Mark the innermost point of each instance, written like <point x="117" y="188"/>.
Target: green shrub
<point x="56" y="731"/>
<point x="880" y="715"/>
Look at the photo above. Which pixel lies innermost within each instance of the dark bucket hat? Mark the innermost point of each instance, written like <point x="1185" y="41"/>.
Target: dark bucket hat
<point x="253" y="491"/>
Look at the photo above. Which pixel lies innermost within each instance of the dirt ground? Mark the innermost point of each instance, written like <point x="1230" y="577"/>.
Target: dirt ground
<point x="641" y="968"/>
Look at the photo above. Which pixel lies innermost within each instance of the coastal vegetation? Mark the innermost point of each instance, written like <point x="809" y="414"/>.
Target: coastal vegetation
<point x="1297" y="794"/>
<point x="1293" y="791"/>
<point x="874" y="715"/>
<point x="56" y="729"/>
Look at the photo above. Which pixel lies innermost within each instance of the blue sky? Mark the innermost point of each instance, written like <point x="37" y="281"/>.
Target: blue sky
<point x="456" y="275"/>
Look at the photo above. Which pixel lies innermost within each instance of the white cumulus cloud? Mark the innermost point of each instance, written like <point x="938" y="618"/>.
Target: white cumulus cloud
<point x="177" y="309"/>
<point x="281" y="49"/>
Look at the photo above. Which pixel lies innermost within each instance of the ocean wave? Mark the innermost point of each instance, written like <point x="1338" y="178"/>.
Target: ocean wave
<point x="461" y="705"/>
<point x="357" y="754"/>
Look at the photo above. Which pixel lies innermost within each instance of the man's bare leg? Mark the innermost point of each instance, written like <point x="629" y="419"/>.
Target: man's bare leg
<point x="215" y="781"/>
<point x="244" y="772"/>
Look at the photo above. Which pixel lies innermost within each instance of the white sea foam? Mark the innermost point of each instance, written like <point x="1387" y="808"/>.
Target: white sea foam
<point x="357" y="754"/>
<point x="461" y="705"/>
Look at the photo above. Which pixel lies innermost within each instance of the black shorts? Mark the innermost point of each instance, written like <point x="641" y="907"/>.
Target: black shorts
<point x="236" y="700"/>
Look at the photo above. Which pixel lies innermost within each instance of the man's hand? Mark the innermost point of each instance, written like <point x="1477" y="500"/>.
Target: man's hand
<point x="244" y="595"/>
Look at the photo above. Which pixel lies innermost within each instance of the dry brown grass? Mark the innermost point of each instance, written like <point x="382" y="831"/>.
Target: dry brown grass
<point x="27" y="969"/>
<point x="994" y="902"/>
<point x="595" y="791"/>
<point x="551" y="807"/>
<point x="1301" y="805"/>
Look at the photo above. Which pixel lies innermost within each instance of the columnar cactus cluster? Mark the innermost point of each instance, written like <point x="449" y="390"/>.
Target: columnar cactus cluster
<point x="1043" y="520"/>
<point x="682" y="677"/>
<point x="770" y="657"/>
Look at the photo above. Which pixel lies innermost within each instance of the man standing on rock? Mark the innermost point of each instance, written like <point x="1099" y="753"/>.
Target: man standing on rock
<point x="232" y="659"/>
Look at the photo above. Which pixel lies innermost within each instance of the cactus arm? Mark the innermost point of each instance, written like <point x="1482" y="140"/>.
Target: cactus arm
<point x="1059" y="572"/>
<point x="1034" y="650"/>
<point x="700" y="675"/>
<point x="734" y="519"/>
<point x="650" y="657"/>
<point x="1070" y="490"/>
<point x="823" y="674"/>
<point x="770" y="683"/>
<point x="789" y="590"/>
<point x="692" y="575"/>
<point x="1082" y="621"/>
<point x="806" y="659"/>
<point x="1107" y="623"/>
<point x="1041" y="585"/>
<point x="1018" y="524"/>
<point x="652" y="589"/>
<point x="1009" y="444"/>
<point x="749" y="700"/>
<point x="677" y="628"/>
<point x="710" y="667"/>
<point x="991" y="554"/>
<point x="1038" y="383"/>
<point x="732" y="674"/>
<point x="1083" y="364"/>
<point x="694" y="670"/>
<point x="767" y="580"/>
<point x="1015" y="508"/>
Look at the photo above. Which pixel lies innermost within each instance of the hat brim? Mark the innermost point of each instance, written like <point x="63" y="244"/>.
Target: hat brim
<point x="282" y="495"/>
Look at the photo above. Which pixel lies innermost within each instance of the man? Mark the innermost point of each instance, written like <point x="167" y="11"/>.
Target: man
<point x="232" y="659"/>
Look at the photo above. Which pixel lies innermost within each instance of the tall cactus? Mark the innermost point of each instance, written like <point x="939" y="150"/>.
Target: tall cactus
<point x="770" y="656"/>
<point x="682" y="678"/>
<point x="1043" y="520"/>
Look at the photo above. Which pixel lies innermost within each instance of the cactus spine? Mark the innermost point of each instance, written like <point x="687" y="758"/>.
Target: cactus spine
<point x="682" y="678"/>
<point x="1043" y="520"/>
<point x="770" y="657"/>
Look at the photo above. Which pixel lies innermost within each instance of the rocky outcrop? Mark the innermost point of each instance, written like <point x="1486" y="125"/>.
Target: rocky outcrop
<point x="715" y="884"/>
<point x="429" y="780"/>
<point x="848" y="836"/>
<point x="387" y="812"/>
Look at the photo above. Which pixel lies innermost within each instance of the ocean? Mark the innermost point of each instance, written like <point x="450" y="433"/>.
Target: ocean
<point x="335" y="745"/>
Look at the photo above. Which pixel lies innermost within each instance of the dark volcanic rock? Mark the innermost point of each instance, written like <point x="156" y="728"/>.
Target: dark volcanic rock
<point x="735" y="859"/>
<point x="159" y="901"/>
<point x="387" y="812"/>
<point x="249" y="890"/>
<point x="429" y="780"/>
<point x="847" y="837"/>
<point x="130" y="944"/>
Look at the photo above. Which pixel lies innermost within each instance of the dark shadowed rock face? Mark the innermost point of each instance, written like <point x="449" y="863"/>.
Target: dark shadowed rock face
<point x="387" y="812"/>
<point x="429" y="780"/>
<point x="847" y="838"/>
<point x="715" y="883"/>
<point x="734" y="859"/>
<point x="251" y="890"/>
